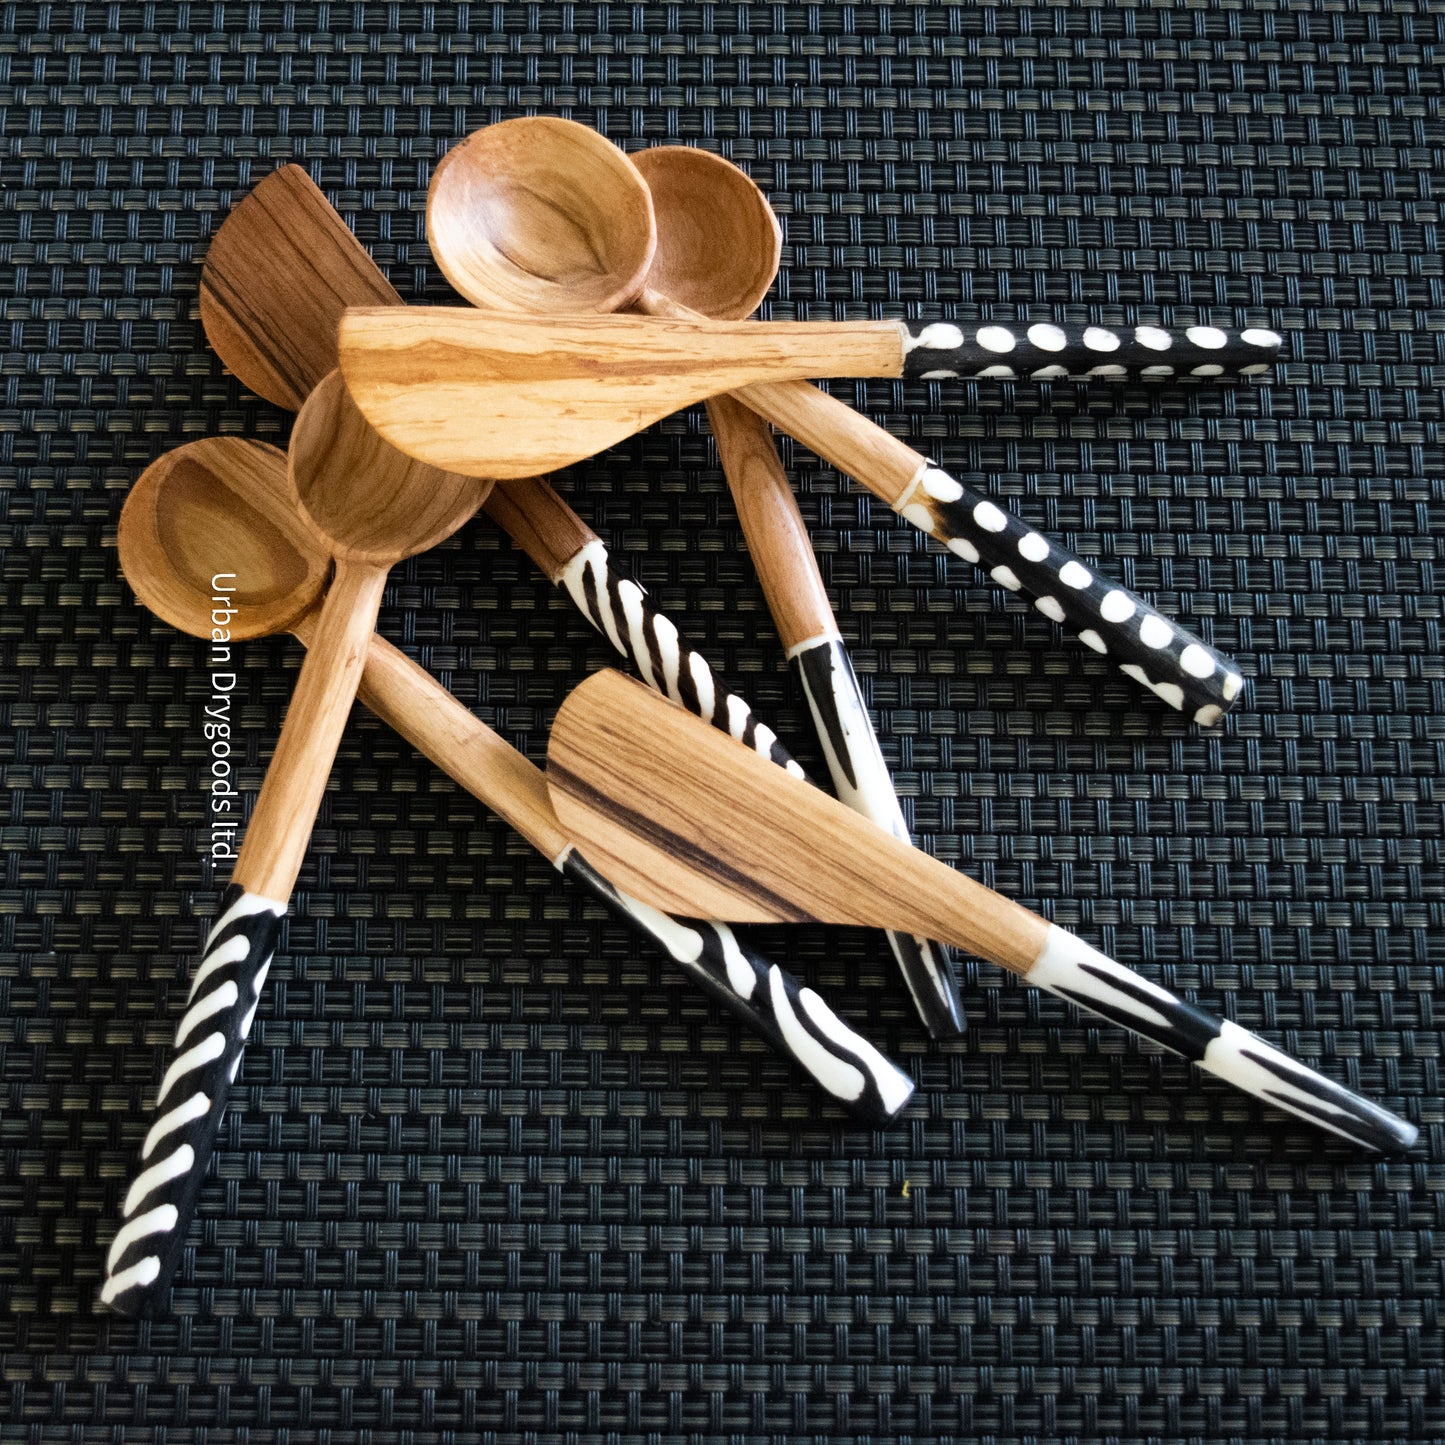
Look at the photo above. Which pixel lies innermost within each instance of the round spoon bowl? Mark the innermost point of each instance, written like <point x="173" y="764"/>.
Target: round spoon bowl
<point x="210" y="519"/>
<point x="541" y="215"/>
<point x="718" y="241"/>
<point x="364" y="500"/>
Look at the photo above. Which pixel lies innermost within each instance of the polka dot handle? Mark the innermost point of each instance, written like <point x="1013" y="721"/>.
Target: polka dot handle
<point x="1049" y="351"/>
<point x="1144" y="644"/>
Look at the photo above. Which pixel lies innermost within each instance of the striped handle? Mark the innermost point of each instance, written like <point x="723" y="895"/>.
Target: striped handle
<point x="207" y="1051"/>
<point x="861" y="780"/>
<point x="1074" y="970"/>
<point x="1047" y="351"/>
<point x="789" y="1016"/>
<point x="618" y="608"/>
<point x="1186" y="672"/>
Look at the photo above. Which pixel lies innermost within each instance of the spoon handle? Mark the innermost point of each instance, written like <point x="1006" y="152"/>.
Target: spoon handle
<point x="778" y="542"/>
<point x="226" y="985"/>
<point x="791" y="1018"/>
<point x="1048" y="351"/>
<point x="541" y="523"/>
<point x="1145" y="645"/>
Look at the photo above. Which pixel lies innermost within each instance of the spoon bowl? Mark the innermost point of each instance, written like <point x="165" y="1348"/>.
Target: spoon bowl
<point x="718" y="241"/>
<point x="215" y="508"/>
<point x="541" y="215"/>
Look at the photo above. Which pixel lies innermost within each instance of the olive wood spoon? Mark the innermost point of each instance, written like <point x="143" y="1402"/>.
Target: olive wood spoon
<point x="471" y="194"/>
<point x="225" y="505"/>
<point x="701" y="203"/>
<point x="368" y="507"/>
<point x="279" y="273"/>
<point x="637" y="782"/>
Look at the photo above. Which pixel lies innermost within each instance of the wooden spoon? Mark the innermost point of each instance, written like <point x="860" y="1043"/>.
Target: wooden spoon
<point x="711" y="259"/>
<point x="224" y="505"/>
<point x="637" y="781"/>
<point x="368" y="506"/>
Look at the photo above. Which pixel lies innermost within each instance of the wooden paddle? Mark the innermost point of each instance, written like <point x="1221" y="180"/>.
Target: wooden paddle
<point x="638" y="782"/>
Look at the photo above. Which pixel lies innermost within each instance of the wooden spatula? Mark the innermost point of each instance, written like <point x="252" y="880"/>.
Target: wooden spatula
<point x="641" y="785"/>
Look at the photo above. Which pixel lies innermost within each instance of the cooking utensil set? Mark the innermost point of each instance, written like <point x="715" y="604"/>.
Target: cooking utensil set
<point x="606" y="293"/>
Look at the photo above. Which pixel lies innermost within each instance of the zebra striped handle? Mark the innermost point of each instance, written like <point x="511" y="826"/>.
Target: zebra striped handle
<point x="861" y="780"/>
<point x="207" y="1052"/>
<point x="1047" y="351"/>
<point x="769" y="1000"/>
<point x="1144" y="644"/>
<point x="618" y="608"/>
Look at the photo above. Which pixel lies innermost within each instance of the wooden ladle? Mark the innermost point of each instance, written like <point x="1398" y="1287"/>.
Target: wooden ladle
<point x="367" y="506"/>
<point x="224" y="505"/>
<point x="637" y="781"/>
<point x="717" y="245"/>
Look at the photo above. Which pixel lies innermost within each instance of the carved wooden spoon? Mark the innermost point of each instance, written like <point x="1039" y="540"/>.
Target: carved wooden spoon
<point x="368" y="506"/>
<point x="637" y="782"/>
<point x="713" y="250"/>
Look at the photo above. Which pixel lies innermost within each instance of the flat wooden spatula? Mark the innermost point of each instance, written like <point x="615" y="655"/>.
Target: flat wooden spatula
<point x="688" y="820"/>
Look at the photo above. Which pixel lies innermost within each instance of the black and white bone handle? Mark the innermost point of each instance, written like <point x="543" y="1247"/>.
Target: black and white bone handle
<point x="1049" y="351"/>
<point x="1140" y="640"/>
<point x="1074" y="970"/>
<point x="210" y="1039"/>
<point x="791" y="1017"/>
<point x="619" y="609"/>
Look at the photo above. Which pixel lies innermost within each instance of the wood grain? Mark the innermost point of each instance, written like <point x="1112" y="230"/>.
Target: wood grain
<point x="214" y="520"/>
<point x="365" y="500"/>
<point x="776" y="535"/>
<point x="689" y="821"/>
<point x="532" y="513"/>
<point x="290" y="797"/>
<point x="541" y="215"/>
<point x="277" y="276"/>
<point x="516" y="396"/>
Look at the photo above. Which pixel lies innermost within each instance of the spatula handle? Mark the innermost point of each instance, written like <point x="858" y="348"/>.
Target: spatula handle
<point x="1050" y="351"/>
<point x="1141" y="642"/>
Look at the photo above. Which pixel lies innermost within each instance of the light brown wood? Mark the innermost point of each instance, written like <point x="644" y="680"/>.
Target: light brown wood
<point x="365" y="500"/>
<point x="540" y="215"/>
<point x="858" y="447"/>
<point x="687" y="819"/>
<point x="277" y="276"/>
<point x="516" y="396"/>
<point x="290" y="797"/>
<point x="369" y="506"/>
<point x="274" y="323"/>
<point x="262" y="536"/>
<point x="539" y="521"/>
<point x="210" y="528"/>
<point x="776" y="535"/>
<point x="718" y="241"/>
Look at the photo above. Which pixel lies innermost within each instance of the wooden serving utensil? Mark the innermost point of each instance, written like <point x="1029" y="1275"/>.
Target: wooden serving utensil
<point x="492" y="208"/>
<point x="709" y="257"/>
<point x="368" y="506"/>
<point x="279" y="274"/>
<point x="637" y="783"/>
<point x="226" y="505"/>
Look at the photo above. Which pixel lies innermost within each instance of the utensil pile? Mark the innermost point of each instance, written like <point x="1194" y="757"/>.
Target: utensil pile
<point x="606" y="293"/>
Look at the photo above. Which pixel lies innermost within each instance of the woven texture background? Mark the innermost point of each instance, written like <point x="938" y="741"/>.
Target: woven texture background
<point x="491" y="1173"/>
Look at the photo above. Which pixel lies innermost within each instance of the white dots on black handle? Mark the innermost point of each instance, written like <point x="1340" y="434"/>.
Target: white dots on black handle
<point x="1049" y="351"/>
<point x="1144" y="644"/>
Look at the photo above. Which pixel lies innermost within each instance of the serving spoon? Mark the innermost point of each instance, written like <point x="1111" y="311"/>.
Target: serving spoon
<point x="641" y="798"/>
<point x="368" y="506"/>
<point x="224" y="504"/>
<point x="723" y="242"/>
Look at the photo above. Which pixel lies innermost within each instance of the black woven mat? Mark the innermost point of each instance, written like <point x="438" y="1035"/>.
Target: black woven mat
<point x="491" y="1174"/>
